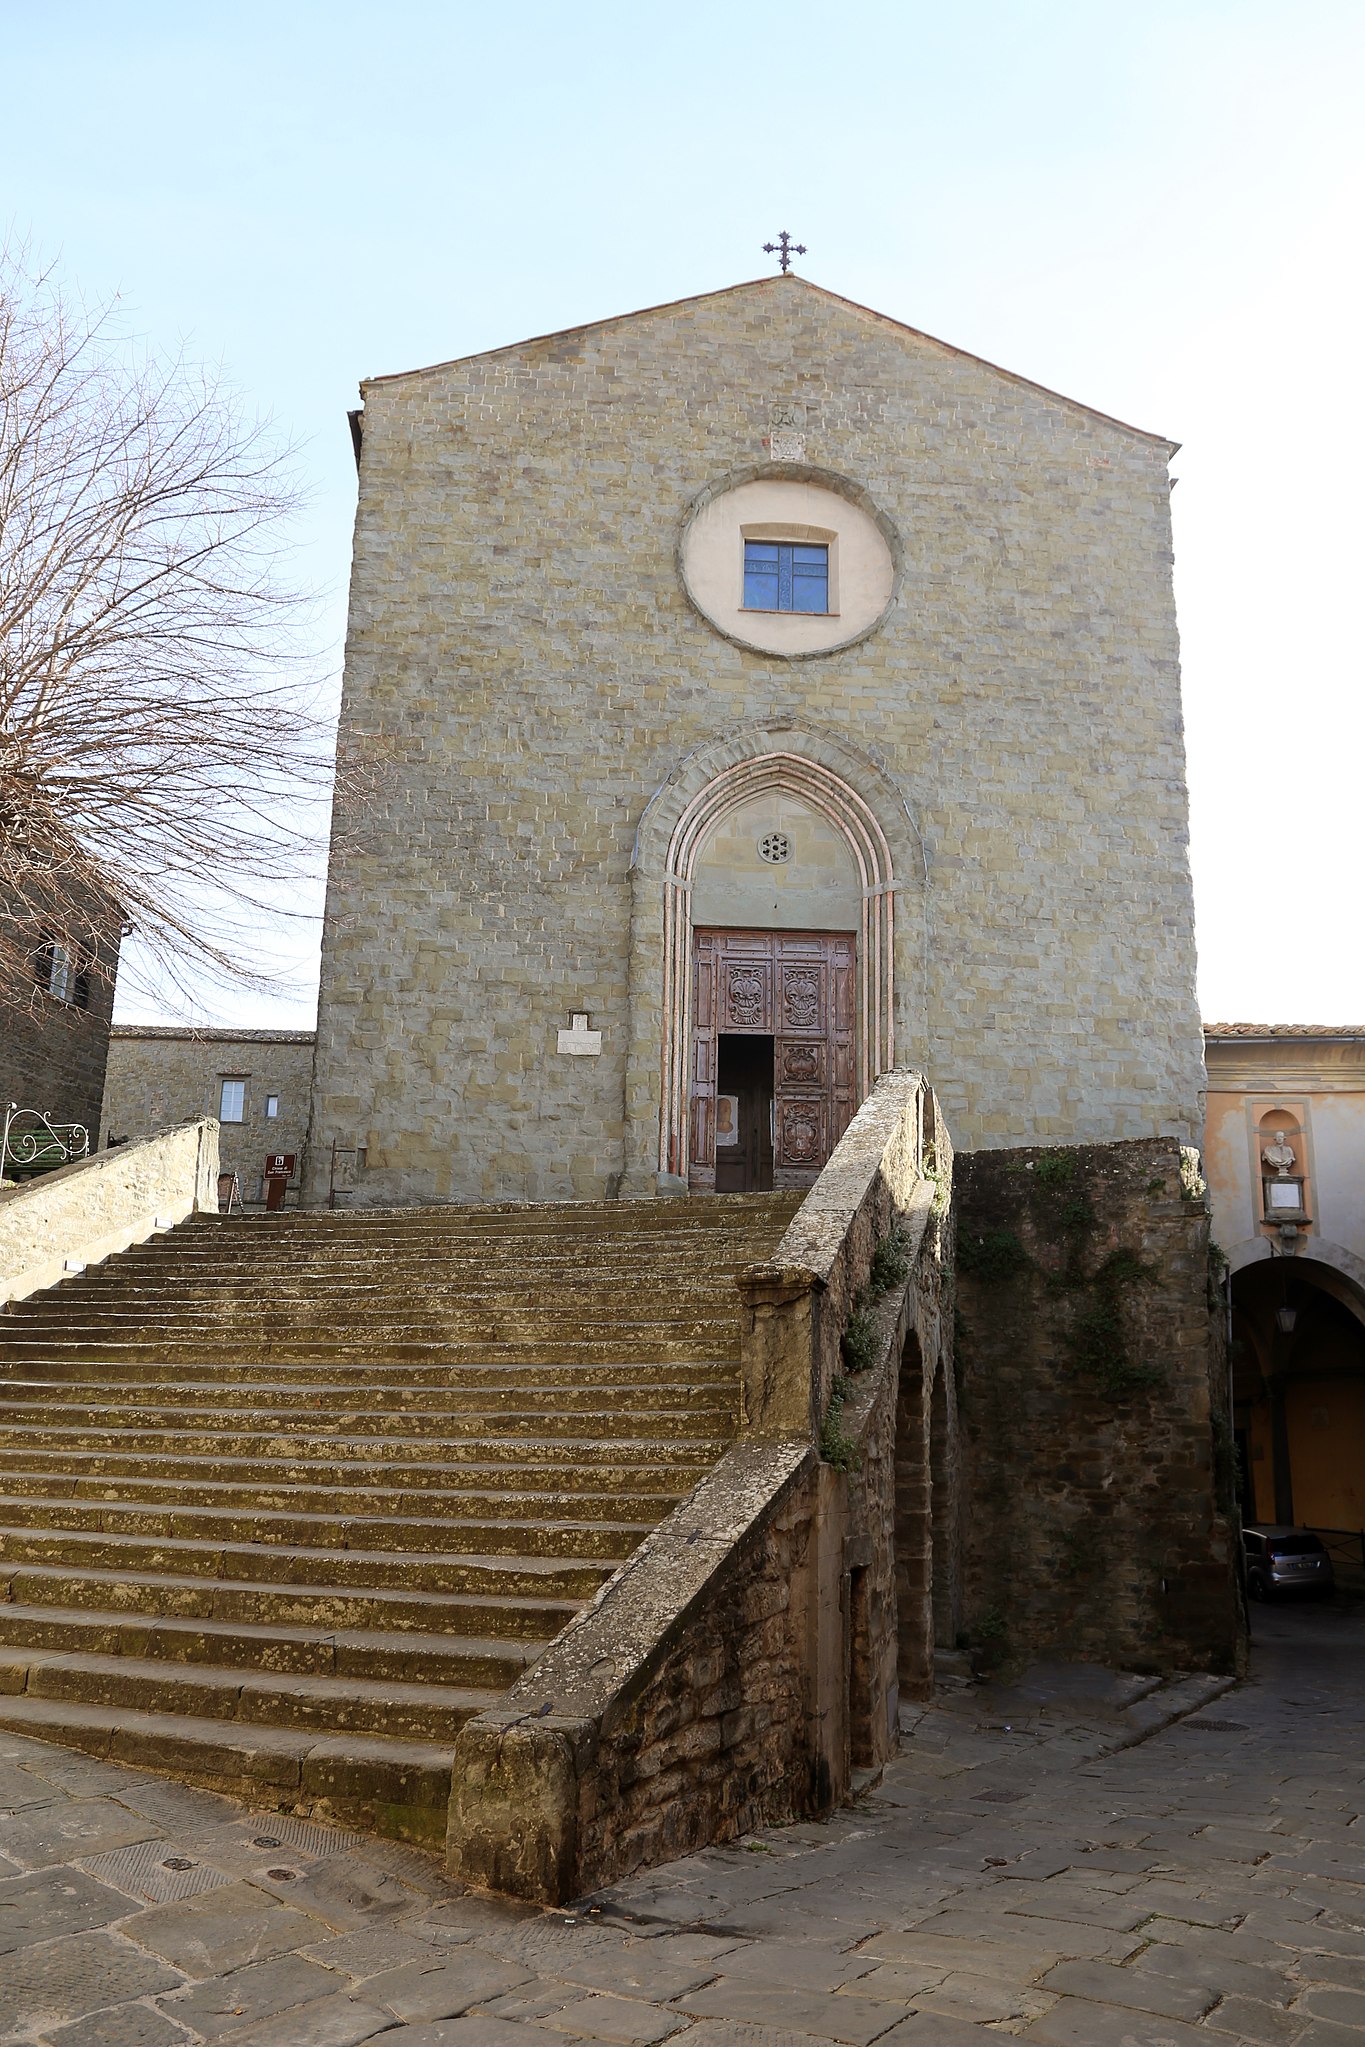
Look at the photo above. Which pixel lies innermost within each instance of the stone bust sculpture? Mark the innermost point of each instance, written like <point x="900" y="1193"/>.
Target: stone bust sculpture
<point x="1279" y="1156"/>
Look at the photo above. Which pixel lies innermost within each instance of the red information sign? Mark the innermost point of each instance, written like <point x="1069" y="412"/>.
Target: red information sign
<point x="279" y="1170"/>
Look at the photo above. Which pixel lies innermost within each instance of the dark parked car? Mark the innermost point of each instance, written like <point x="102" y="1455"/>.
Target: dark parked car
<point x="1285" y="1560"/>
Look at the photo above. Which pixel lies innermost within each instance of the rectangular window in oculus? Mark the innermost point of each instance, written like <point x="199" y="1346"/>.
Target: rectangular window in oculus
<point x="232" y="1102"/>
<point x="780" y="576"/>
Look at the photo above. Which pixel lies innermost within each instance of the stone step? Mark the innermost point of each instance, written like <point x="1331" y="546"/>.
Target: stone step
<point x="441" y="1535"/>
<point x="420" y="1245"/>
<point x="221" y="1599"/>
<point x="473" y="1662"/>
<point x="551" y="1510"/>
<point x="709" y="1216"/>
<point x="19" y="1396"/>
<point x="513" y="1475"/>
<point x="397" y="1788"/>
<point x="700" y="1423"/>
<point x="335" y="1351"/>
<point x="423" y="1712"/>
<point x="535" y="1331"/>
<point x="567" y="1255"/>
<point x="280" y="1565"/>
<point x="579" y="1273"/>
<point x="376" y="1322"/>
<point x="512" y="1444"/>
<point x="283" y="1500"/>
<point x="717" y="1214"/>
<point x="609" y="1381"/>
<point x="295" y="1289"/>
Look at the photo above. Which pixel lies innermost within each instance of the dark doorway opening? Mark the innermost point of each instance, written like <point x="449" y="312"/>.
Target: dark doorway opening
<point x="1298" y="1351"/>
<point x="744" y="1113"/>
<point x="794" y="991"/>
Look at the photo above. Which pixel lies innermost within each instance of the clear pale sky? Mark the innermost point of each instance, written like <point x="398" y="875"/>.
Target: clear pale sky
<point x="1154" y="209"/>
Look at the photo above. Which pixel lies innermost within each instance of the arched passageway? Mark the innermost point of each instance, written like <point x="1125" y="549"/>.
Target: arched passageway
<point x="1299" y="1393"/>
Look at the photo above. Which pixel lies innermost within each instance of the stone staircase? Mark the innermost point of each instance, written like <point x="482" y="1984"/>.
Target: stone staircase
<point x="285" y="1499"/>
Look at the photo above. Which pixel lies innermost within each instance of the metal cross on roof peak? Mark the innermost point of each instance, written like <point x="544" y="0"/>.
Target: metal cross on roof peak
<point x="784" y="248"/>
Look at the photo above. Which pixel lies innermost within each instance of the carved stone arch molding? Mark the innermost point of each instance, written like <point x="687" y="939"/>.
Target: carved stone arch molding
<point x="860" y="801"/>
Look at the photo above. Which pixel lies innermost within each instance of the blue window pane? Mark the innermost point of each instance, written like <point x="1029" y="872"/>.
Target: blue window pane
<point x="782" y="577"/>
<point x="810" y="579"/>
<point x="761" y="572"/>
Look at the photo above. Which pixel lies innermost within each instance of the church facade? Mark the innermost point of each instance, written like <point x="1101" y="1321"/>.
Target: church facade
<point x="760" y="694"/>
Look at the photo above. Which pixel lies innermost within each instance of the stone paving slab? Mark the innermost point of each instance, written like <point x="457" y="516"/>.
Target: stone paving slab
<point x="1025" y="1869"/>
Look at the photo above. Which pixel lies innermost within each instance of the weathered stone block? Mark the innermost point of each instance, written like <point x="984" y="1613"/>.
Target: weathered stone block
<point x="1093" y="1362"/>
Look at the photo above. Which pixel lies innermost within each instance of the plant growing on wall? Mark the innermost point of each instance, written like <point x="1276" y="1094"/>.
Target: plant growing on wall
<point x="888" y="1267"/>
<point x="837" y="1446"/>
<point x="992" y="1255"/>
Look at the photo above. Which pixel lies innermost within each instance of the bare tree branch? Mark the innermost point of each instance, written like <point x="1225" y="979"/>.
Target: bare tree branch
<point x="160" y="741"/>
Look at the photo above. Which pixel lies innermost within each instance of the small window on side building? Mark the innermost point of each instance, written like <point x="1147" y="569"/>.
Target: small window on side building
<point x="272" y="1106"/>
<point x="782" y="576"/>
<point x="60" y="983"/>
<point x="232" y="1102"/>
<point x="63" y="972"/>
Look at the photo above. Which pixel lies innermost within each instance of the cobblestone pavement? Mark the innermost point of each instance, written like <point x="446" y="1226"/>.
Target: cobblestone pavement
<point x="1013" y="1874"/>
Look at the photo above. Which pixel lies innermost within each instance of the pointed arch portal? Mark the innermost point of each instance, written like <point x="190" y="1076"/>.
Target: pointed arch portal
<point x="832" y="797"/>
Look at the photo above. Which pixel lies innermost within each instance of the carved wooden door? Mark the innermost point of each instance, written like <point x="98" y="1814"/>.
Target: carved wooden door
<point x="795" y="987"/>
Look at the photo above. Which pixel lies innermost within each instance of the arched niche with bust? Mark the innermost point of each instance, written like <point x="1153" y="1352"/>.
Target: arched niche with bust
<point x="786" y="506"/>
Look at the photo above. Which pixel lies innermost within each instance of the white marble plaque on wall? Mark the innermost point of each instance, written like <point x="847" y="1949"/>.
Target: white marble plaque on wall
<point x="578" y="1041"/>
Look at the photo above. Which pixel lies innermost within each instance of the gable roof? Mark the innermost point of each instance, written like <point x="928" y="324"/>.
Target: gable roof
<point x="1218" y="1031"/>
<point x="783" y="281"/>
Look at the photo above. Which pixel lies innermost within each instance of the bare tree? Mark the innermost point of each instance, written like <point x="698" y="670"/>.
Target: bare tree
<point x="160" y="745"/>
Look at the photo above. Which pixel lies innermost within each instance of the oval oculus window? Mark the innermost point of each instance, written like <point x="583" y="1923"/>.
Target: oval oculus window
<point x="787" y="566"/>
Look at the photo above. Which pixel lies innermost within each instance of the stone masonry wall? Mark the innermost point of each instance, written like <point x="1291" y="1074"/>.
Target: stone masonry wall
<point x="1100" y="1519"/>
<point x="717" y="1743"/>
<point x="525" y="669"/>
<point x="159" y="1075"/>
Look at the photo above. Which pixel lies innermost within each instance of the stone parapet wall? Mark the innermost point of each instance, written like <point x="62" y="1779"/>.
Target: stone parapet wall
<point x="87" y="1211"/>
<point x="1096" y="1413"/>
<point x="746" y="1657"/>
<point x="672" y="1714"/>
<point x="797" y="1305"/>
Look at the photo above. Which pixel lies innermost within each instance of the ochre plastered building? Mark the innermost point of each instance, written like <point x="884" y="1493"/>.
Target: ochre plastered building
<point x="760" y="855"/>
<point x="1293" y="1231"/>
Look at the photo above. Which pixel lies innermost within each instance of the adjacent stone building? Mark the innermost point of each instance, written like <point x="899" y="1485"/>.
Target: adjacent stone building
<point x="765" y="694"/>
<point x="255" y="1082"/>
<point x="56" y="1010"/>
